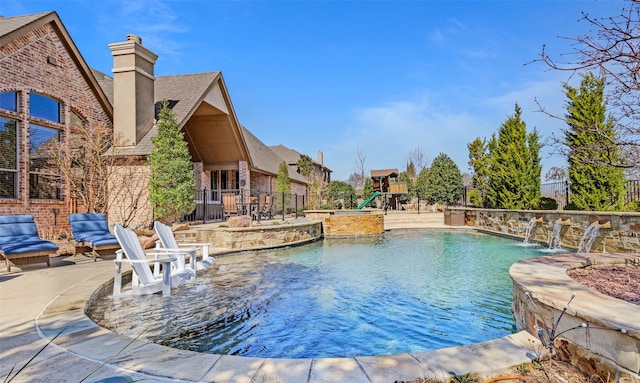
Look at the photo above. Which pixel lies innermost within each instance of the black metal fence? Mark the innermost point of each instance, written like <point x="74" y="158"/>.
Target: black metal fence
<point x="219" y="205"/>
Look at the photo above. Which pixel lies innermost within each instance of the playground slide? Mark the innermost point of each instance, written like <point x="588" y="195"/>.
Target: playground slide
<point x="368" y="200"/>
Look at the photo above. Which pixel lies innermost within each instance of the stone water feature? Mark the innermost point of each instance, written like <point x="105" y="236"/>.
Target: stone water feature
<point x="533" y="223"/>
<point x="556" y="234"/>
<point x="616" y="231"/>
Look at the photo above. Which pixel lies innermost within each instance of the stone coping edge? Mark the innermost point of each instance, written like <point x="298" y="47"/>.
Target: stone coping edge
<point x="611" y="342"/>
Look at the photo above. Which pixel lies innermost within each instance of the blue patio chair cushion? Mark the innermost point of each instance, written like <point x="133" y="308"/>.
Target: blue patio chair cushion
<point x="30" y="246"/>
<point x="18" y="234"/>
<point x="99" y="238"/>
<point x="91" y="228"/>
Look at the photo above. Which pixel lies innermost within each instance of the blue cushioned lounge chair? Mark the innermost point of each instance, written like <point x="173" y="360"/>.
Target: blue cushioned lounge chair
<point x="20" y="243"/>
<point x="91" y="233"/>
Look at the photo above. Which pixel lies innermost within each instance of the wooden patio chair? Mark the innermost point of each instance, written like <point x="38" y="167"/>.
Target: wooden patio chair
<point x="144" y="281"/>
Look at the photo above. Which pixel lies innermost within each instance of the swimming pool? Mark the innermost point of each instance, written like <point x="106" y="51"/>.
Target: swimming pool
<point x="400" y="292"/>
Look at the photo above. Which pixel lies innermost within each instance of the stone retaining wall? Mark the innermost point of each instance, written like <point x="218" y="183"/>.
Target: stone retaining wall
<point x="349" y="223"/>
<point x="609" y="345"/>
<point x="262" y="236"/>
<point x="619" y="232"/>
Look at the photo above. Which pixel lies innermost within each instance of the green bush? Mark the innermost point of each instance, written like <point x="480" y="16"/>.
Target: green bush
<point x="571" y="206"/>
<point x="546" y="203"/>
<point x="475" y="198"/>
<point x="633" y="206"/>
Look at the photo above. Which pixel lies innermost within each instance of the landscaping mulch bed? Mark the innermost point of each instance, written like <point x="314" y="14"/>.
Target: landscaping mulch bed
<point x="618" y="281"/>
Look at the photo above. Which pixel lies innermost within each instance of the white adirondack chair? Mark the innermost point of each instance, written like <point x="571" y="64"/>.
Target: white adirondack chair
<point x="171" y="246"/>
<point x="144" y="281"/>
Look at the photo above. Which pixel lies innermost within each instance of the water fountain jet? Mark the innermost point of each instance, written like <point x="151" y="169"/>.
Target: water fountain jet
<point x="530" y="228"/>
<point x="554" y="241"/>
<point x="590" y="235"/>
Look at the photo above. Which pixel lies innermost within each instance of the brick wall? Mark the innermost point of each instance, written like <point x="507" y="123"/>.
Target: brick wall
<point x="24" y="68"/>
<point x="262" y="183"/>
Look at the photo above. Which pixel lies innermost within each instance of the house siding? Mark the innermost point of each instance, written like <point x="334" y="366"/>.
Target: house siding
<point x="24" y="68"/>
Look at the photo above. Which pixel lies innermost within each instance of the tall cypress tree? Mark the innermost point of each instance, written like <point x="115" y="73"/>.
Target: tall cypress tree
<point x="478" y="161"/>
<point x="590" y="138"/>
<point x="171" y="181"/>
<point x="444" y="181"/>
<point x="283" y="187"/>
<point x="514" y="165"/>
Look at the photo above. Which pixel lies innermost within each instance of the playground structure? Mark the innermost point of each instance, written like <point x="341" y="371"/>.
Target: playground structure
<point x="386" y="184"/>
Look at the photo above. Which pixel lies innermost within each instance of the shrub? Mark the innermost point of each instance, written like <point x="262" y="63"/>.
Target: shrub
<point x="571" y="206"/>
<point x="633" y="206"/>
<point x="547" y="204"/>
<point x="475" y="198"/>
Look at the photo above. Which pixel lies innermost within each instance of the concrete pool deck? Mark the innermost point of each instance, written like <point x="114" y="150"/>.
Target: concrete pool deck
<point x="37" y="302"/>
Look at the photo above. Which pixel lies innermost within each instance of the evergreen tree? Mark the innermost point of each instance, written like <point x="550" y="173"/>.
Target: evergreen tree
<point x="444" y="181"/>
<point x="367" y="191"/>
<point x="171" y="179"/>
<point x="422" y="182"/>
<point x="594" y="184"/>
<point x="412" y="175"/>
<point x="283" y="187"/>
<point x="479" y="164"/>
<point x="514" y="165"/>
<point x="341" y="194"/>
<point x="305" y="165"/>
<point x="406" y="178"/>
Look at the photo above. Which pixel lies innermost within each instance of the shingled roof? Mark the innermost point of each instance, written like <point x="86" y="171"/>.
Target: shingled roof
<point x="384" y="173"/>
<point x="291" y="156"/>
<point x="265" y="159"/>
<point x="14" y="23"/>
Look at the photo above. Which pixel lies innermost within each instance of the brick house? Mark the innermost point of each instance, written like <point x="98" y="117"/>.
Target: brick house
<point x="46" y="88"/>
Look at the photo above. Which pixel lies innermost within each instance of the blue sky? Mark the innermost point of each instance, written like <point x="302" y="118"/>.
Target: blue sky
<point x="379" y="77"/>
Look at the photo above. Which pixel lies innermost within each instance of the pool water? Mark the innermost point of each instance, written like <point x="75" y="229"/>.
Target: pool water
<point x="401" y="292"/>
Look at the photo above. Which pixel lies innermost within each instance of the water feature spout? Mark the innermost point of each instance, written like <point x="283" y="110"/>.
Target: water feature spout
<point x="530" y="227"/>
<point x="589" y="236"/>
<point x="605" y="225"/>
<point x="554" y="241"/>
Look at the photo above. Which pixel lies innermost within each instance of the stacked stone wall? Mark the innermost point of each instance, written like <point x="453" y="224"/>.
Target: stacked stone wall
<point x="350" y="225"/>
<point x="619" y="231"/>
<point x="263" y="236"/>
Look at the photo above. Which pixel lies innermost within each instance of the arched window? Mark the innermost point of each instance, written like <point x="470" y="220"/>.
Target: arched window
<point x="44" y="107"/>
<point x="8" y="146"/>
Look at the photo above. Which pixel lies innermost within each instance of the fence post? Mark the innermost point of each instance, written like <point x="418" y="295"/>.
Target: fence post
<point x="418" y="203"/>
<point x="284" y="208"/>
<point x="296" y="204"/>
<point x="204" y="205"/>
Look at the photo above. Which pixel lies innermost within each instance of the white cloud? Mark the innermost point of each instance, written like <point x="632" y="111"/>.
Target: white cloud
<point x="387" y="133"/>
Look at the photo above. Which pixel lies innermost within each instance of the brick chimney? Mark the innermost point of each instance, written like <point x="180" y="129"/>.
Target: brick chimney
<point x="133" y="95"/>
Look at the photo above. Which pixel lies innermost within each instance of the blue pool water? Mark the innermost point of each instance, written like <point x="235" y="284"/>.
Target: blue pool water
<point x="401" y="292"/>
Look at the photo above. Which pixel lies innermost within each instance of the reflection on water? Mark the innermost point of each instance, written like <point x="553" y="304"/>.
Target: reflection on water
<point x="396" y="293"/>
